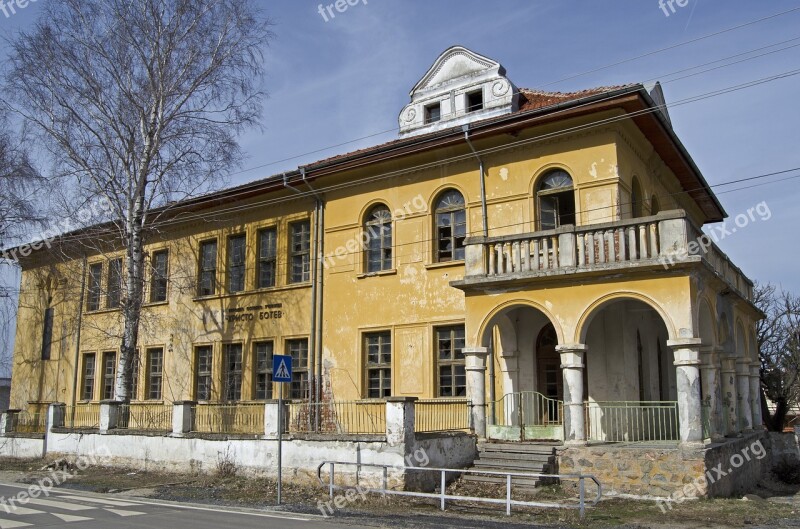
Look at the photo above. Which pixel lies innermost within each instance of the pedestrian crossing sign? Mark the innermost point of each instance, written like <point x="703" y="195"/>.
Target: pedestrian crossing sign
<point x="281" y="368"/>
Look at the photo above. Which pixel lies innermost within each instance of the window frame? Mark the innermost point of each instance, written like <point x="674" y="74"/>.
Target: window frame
<point x="469" y="105"/>
<point x="457" y="247"/>
<point x="203" y="272"/>
<point x="207" y="375"/>
<point x="266" y="371"/>
<point x="150" y="375"/>
<point x="94" y="287"/>
<point x="385" y="238"/>
<point x="114" y="291"/>
<point x="134" y="374"/>
<point x="433" y="113"/>
<point x="87" y="376"/>
<point x="555" y="195"/>
<point x="159" y="281"/>
<point x="453" y="362"/>
<point x="302" y="256"/>
<point x="232" y="374"/>
<point x="269" y="261"/>
<point x="300" y="386"/>
<point x="47" y="333"/>
<point x="381" y="367"/>
<point x="108" y="380"/>
<point x="235" y="266"/>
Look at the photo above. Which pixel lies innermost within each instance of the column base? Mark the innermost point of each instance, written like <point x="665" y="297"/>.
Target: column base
<point x="691" y="445"/>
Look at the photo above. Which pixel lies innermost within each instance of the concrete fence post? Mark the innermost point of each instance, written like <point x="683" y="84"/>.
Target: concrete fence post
<point x="400" y="420"/>
<point x="8" y="421"/>
<point x="109" y="415"/>
<point x="271" y="412"/>
<point x="182" y="417"/>
<point x="56" y="413"/>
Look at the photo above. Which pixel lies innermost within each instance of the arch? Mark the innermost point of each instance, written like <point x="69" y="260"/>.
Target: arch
<point x="637" y="199"/>
<point x="450" y="225"/>
<point x="585" y="320"/>
<point x="491" y="318"/>
<point x="378" y="239"/>
<point x="655" y="205"/>
<point x="440" y="190"/>
<point x="555" y="199"/>
<point x="706" y="323"/>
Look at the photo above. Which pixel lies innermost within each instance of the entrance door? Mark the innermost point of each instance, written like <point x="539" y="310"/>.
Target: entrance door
<point x="550" y="381"/>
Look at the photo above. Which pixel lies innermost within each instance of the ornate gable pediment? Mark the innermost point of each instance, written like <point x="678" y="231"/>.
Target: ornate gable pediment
<point x="454" y="64"/>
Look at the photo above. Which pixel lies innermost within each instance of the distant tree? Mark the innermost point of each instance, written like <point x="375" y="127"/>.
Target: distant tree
<point x="779" y="350"/>
<point x="140" y="104"/>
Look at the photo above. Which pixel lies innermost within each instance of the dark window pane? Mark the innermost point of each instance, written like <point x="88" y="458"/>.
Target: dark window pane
<point x="95" y="284"/>
<point x="267" y="252"/>
<point x="205" y="362"/>
<point x="236" y="263"/>
<point x="232" y="372"/>
<point x="114" y="284"/>
<point x="159" y="276"/>
<point x="208" y="269"/>
<point x="87" y="393"/>
<point x="300" y="248"/>
<point x="47" y="333"/>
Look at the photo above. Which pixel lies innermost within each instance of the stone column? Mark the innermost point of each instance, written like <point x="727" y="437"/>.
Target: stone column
<point x="400" y="420"/>
<point x="729" y="395"/>
<point x="712" y="392"/>
<point x="182" y="417"/>
<point x="755" y="395"/>
<point x="55" y="415"/>
<point x="743" y="385"/>
<point x="475" y="366"/>
<point x="687" y="367"/>
<point x="271" y="414"/>
<point x="109" y="415"/>
<point x="573" y="363"/>
<point x="509" y="369"/>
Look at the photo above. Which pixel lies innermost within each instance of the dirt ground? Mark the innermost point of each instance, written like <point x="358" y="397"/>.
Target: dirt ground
<point x="775" y="505"/>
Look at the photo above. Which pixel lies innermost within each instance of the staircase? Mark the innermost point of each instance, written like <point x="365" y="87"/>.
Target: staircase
<point x="532" y="457"/>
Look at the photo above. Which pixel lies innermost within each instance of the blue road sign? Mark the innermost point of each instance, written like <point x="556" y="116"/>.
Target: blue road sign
<point x="281" y="368"/>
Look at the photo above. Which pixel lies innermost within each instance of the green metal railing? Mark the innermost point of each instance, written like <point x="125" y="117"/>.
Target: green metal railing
<point x="526" y="408"/>
<point x="632" y="422"/>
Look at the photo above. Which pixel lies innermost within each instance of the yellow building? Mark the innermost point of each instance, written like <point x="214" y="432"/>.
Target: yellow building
<point x="537" y="253"/>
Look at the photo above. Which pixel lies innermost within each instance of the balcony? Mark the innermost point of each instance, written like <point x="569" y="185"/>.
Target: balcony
<point x="661" y="241"/>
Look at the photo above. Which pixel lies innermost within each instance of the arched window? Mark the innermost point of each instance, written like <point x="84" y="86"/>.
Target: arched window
<point x="556" y="198"/>
<point x="655" y="207"/>
<point x="378" y="229"/>
<point x="451" y="226"/>
<point x="636" y="199"/>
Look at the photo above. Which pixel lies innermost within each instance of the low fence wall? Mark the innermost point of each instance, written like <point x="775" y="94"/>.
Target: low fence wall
<point x="19" y="446"/>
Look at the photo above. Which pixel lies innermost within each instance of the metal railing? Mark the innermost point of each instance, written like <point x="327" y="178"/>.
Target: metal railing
<point x="338" y="417"/>
<point x="444" y="497"/>
<point x="86" y="415"/>
<point x="527" y="408"/>
<point x="145" y="416"/>
<point x="442" y="415"/>
<point x="29" y="422"/>
<point x="240" y="418"/>
<point x="632" y="422"/>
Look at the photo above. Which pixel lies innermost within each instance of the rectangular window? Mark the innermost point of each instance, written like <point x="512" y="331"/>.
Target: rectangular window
<point x="204" y="359"/>
<point x="232" y="371"/>
<point x="433" y="113"/>
<point x="378" y="347"/>
<point x="207" y="280"/>
<point x="237" y="250"/>
<point x="263" y="373"/>
<point x="94" y="287"/>
<point x="475" y="101"/>
<point x="301" y="251"/>
<point x="47" y="333"/>
<point x="134" y="374"/>
<point x="450" y="355"/>
<point x="298" y="350"/>
<point x="267" y="257"/>
<point x="114" y="284"/>
<point x="155" y="372"/>
<point x="159" y="272"/>
<point x="87" y="384"/>
<point x="109" y="371"/>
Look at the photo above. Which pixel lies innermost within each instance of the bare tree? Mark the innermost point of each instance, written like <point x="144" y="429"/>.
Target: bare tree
<point x="140" y="104"/>
<point x="779" y="350"/>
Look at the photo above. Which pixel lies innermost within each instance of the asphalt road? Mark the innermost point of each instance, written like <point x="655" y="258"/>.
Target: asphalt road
<point x="88" y="511"/>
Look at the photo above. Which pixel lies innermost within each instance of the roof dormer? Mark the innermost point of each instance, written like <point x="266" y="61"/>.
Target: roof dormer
<point x="459" y="88"/>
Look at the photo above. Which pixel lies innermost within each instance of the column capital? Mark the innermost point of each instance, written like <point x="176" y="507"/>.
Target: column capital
<point x="575" y="348"/>
<point x="755" y="369"/>
<point x="475" y="358"/>
<point x="685" y="343"/>
<point x="476" y="351"/>
<point x="686" y="351"/>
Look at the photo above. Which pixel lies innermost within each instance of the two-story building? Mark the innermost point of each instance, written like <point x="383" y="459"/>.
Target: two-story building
<point x="539" y="254"/>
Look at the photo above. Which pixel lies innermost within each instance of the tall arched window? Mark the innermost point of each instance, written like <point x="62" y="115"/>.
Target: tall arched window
<point x="378" y="229"/>
<point x="451" y="226"/>
<point x="556" y="198"/>
<point x="636" y="199"/>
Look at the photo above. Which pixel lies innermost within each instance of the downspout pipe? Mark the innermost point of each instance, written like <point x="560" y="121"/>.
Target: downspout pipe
<point x="485" y="219"/>
<point x="484" y="215"/>
<point x="78" y="338"/>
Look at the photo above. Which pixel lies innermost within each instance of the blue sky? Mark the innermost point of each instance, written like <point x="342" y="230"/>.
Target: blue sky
<point x="336" y="81"/>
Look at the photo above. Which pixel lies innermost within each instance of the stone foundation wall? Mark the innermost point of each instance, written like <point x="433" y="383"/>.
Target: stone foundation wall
<point x="785" y="447"/>
<point x="743" y="461"/>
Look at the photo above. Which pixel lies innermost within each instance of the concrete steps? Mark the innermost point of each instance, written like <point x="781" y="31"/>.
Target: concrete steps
<point x="513" y="456"/>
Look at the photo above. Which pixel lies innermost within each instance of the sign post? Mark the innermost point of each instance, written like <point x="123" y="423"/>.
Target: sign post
<point x="281" y="373"/>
